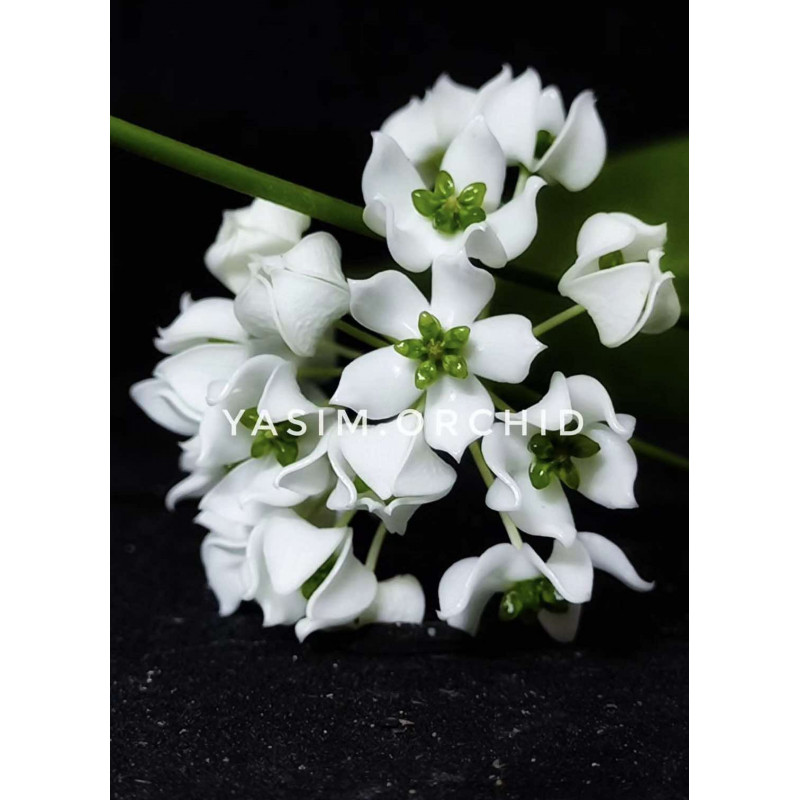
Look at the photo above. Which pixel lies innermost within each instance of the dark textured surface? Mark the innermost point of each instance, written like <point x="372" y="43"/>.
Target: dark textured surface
<point x="204" y="707"/>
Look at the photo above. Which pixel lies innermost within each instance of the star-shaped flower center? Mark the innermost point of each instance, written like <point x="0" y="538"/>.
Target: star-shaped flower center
<point x="552" y="456"/>
<point x="525" y="599"/>
<point x="280" y="443"/>
<point x="449" y="212"/>
<point x="438" y="351"/>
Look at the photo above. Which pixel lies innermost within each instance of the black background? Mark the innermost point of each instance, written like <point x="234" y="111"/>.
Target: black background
<point x="210" y="707"/>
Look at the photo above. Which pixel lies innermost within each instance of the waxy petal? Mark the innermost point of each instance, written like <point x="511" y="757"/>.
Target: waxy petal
<point x="502" y="348"/>
<point x="398" y="599"/>
<point x="390" y="176"/>
<point x="589" y="397"/>
<point x="607" y="478"/>
<point x="388" y="303"/>
<point x="459" y="290"/>
<point x="563" y="627"/>
<point x="413" y="127"/>
<point x="515" y="224"/>
<point x="161" y="403"/>
<point x="210" y="318"/>
<point x="607" y="556"/>
<point x="224" y="566"/>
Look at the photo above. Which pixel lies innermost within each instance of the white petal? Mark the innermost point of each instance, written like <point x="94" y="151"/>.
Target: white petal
<point x="570" y="571"/>
<point x="191" y="371"/>
<point x="413" y="127"/>
<point x="589" y="397"/>
<point x="262" y="489"/>
<point x="225" y="499"/>
<point x="227" y="530"/>
<point x="515" y="224"/>
<point x="412" y="241"/>
<point x="502" y="348"/>
<point x="452" y="105"/>
<point x="310" y="475"/>
<point x="645" y="237"/>
<point x="459" y="290"/>
<point x="219" y="447"/>
<point x="306" y="308"/>
<point x="608" y="477"/>
<point x="346" y="592"/>
<point x="423" y="474"/>
<point x="380" y="383"/>
<point x="295" y="549"/>
<point x="255" y="307"/>
<point x="398" y="599"/>
<point x="223" y="564"/>
<point x="511" y="116"/>
<point x="482" y="243"/>
<point x="603" y="233"/>
<point x="262" y="228"/>
<point x="388" y="303"/>
<point x="455" y="410"/>
<point x="607" y="556"/>
<point x="475" y="156"/>
<point x="211" y="318"/>
<point x="317" y="255"/>
<point x="377" y="455"/>
<point x="160" y="402"/>
<point x="577" y="155"/>
<point x="550" y="114"/>
<point x="548" y="413"/>
<point x="543" y="512"/>
<point x="664" y="308"/>
<point x="615" y="299"/>
<point x="281" y="395"/>
<point x="506" y="455"/>
<point x="194" y="485"/>
<point x="561" y="627"/>
<point x="391" y="176"/>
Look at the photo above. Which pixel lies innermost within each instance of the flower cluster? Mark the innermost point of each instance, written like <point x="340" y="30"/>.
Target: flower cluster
<point x="283" y="445"/>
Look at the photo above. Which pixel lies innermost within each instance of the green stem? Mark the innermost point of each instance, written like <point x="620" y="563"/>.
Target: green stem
<point x="339" y="349"/>
<point x="319" y="372"/>
<point x="488" y="479"/>
<point x="235" y="176"/>
<point x="362" y="336"/>
<point x="558" y="319"/>
<point x="522" y="179"/>
<point x="345" y="517"/>
<point x="375" y="547"/>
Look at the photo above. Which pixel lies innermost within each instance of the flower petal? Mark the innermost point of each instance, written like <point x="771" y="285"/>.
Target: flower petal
<point x="543" y="512"/>
<point x="550" y="114"/>
<point x="389" y="175"/>
<point x="515" y="224"/>
<point x="398" y="599"/>
<point x="645" y="237"/>
<point x="388" y="303"/>
<point x="194" y="485"/>
<point x="563" y="627"/>
<point x="423" y="474"/>
<point x="502" y="348"/>
<point x="161" y="403"/>
<point x="225" y="499"/>
<point x="380" y="383"/>
<point x="453" y="412"/>
<point x="475" y="156"/>
<point x="663" y="309"/>
<point x="233" y="533"/>
<point x="511" y="116"/>
<point x="549" y="412"/>
<point x="607" y="556"/>
<point x="506" y="455"/>
<point x="604" y="233"/>
<point x="310" y="475"/>
<point x="210" y="318"/>
<point x="570" y="571"/>
<point x="412" y="241"/>
<point x="452" y="105"/>
<point x="459" y="290"/>
<point x="608" y="477"/>
<point x="294" y="549"/>
<point x="223" y="563"/>
<point x="591" y="400"/>
<point x="577" y="155"/>
<point x="413" y="127"/>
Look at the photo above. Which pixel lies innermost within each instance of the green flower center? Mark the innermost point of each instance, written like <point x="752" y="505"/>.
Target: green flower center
<point x="280" y="443"/>
<point x="552" y="456"/>
<point x="449" y="212"/>
<point x="437" y="351"/>
<point x="526" y="598"/>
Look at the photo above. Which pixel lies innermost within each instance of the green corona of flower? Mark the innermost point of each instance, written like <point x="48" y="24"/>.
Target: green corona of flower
<point x="526" y="598"/>
<point x="438" y="351"/>
<point x="281" y="444"/>
<point x="448" y="211"/>
<point x="553" y="453"/>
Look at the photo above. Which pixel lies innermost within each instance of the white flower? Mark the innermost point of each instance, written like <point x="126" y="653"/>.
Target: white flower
<point x="553" y="591"/>
<point x="528" y="122"/>
<point x="350" y="596"/>
<point x="262" y="228"/>
<point x="463" y="212"/>
<point x="261" y="428"/>
<point x="298" y="294"/>
<point x="387" y="471"/>
<point x="617" y="278"/>
<point x="444" y="360"/>
<point x="531" y="465"/>
<point x="269" y="562"/>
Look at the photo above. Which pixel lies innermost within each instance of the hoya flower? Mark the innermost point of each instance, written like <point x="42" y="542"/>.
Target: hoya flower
<point x="461" y="209"/>
<point x="529" y="123"/>
<point x="348" y="595"/>
<point x="537" y="452"/>
<point x="618" y="278"/>
<point x="443" y="349"/>
<point x="258" y="425"/>
<point x="549" y="592"/>
<point x="260" y="229"/>
<point x="274" y="562"/>
<point x="387" y="470"/>
<point x="298" y="294"/>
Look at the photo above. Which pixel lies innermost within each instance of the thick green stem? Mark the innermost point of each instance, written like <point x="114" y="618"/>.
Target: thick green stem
<point x="488" y="479"/>
<point x="375" y="547"/>
<point x="362" y="336"/>
<point x="558" y="319"/>
<point x="235" y="176"/>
